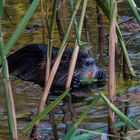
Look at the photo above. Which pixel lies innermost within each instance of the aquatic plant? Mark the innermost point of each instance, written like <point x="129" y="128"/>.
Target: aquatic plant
<point x="77" y="41"/>
<point x="44" y="112"/>
<point x="108" y="7"/>
<point x="112" y="77"/>
<point x="73" y="131"/>
<point x="50" y="39"/>
<point x="7" y="85"/>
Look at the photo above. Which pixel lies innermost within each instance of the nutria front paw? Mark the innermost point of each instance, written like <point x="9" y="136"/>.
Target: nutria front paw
<point x="100" y="75"/>
<point x="75" y="82"/>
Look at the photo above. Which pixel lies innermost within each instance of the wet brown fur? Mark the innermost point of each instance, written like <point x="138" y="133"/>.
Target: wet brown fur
<point x="29" y="64"/>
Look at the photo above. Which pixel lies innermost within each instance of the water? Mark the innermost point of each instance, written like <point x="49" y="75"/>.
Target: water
<point x="27" y="94"/>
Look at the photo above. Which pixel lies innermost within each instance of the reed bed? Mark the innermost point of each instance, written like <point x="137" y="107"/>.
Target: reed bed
<point x="108" y="8"/>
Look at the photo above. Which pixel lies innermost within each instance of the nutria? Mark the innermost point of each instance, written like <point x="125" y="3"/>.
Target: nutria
<point x="29" y="64"/>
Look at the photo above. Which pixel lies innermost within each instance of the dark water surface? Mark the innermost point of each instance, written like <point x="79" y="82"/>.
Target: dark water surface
<point x="27" y="94"/>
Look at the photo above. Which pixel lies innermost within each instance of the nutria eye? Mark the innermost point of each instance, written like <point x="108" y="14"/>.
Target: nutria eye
<point x="89" y="63"/>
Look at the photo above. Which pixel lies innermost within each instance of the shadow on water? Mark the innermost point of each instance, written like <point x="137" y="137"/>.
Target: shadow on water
<point x="27" y="94"/>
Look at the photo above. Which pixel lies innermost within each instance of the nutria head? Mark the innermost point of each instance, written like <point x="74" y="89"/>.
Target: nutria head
<point x="85" y="69"/>
<point x="87" y="66"/>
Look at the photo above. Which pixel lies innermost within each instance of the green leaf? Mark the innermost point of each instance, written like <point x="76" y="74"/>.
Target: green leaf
<point x="119" y="113"/>
<point x="133" y="9"/>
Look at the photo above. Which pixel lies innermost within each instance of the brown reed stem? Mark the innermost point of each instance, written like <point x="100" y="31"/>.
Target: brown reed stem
<point x="76" y="47"/>
<point x="111" y="86"/>
<point x="100" y="34"/>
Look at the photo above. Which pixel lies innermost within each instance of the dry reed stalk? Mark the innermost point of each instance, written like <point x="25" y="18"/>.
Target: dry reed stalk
<point x="76" y="47"/>
<point x="111" y="86"/>
<point x="50" y="80"/>
<point x="47" y="89"/>
<point x="72" y="66"/>
<point x="100" y="35"/>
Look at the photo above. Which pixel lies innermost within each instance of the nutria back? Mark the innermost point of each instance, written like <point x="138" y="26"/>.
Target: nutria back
<point x="29" y="63"/>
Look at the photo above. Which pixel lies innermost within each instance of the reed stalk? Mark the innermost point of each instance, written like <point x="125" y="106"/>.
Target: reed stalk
<point x="104" y="5"/>
<point x="74" y="128"/>
<point x="71" y="5"/>
<point x="119" y="113"/>
<point x="125" y="69"/>
<point x="7" y="86"/>
<point x="57" y="62"/>
<point x="76" y="47"/>
<point x="72" y="131"/>
<point x="121" y="40"/>
<point x="134" y="10"/>
<point x="50" y="40"/>
<point x="47" y="16"/>
<point x="112" y="85"/>
<point x="101" y="33"/>
<point x="100" y="131"/>
<point x="44" y="112"/>
<point x="94" y="134"/>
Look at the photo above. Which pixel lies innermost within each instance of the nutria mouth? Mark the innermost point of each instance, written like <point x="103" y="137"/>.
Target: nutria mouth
<point x="29" y="63"/>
